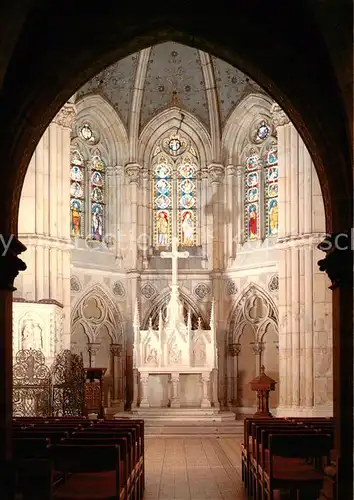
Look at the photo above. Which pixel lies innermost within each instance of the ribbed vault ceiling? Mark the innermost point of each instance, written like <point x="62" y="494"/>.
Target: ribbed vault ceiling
<point x="171" y="74"/>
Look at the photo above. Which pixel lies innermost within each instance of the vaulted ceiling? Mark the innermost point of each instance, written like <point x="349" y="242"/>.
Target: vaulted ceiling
<point x="171" y="74"/>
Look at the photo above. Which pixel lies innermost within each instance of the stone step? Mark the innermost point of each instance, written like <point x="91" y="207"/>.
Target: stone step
<point x="179" y="415"/>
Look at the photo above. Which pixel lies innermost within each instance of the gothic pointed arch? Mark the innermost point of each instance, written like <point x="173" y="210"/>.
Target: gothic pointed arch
<point x="111" y="127"/>
<point x="170" y="121"/>
<point x="254" y="307"/>
<point x="95" y="310"/>
<point x="160" y="303"/>
<point x="240" y="119"/>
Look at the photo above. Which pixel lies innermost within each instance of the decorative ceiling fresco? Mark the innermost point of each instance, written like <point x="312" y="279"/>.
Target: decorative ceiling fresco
<point x="170" y="74"/>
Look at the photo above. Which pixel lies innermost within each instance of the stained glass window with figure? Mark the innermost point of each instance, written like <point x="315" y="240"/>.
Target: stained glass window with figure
<point x="271" y="193"/>
<point x="162" y="203"/>
<point x="252" y="197"/>
<point x="97" y="184"/>
<point x="77" y="194"/>
<point x="187" y="202"/>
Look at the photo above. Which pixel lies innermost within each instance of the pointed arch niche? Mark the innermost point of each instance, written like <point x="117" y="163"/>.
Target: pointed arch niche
<point x="96" y="328"/>
<point x="252" y="341"/>
<point x="188" y="305"/>
<point x="174" y="150"/>
<point x="99" y="143"/>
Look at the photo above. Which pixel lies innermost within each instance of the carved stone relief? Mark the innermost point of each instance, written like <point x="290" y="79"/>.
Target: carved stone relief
<point x="118" y="289"/>
<point x="75" y="285"/>
<point x="230" y="288"/>
<point x="201" y="291"/>
<point x="273" y="284"/>
<point x="148" y="291"/>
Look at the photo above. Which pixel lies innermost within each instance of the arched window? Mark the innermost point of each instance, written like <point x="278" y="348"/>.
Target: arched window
<point x="187" y="201"/>
<point x="175" y="192"/>
<point x="97" y="184"/>
<point x="271" y="193"/>
<point x="87" y="177"/>
<point x="261" y="187"/>
<point x="77" y="194"/>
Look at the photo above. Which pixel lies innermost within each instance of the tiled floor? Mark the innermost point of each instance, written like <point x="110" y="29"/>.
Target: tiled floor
<point x="193" y="468"/>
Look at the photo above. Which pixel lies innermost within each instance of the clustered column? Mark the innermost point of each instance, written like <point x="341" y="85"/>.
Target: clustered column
<point x="232" y="383"/>
<point x="305" y="330"/>
<point x="116" y="351"/>
<point x="44" y="219"/>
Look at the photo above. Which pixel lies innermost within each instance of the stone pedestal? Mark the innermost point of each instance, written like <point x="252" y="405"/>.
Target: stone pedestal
<point x="144" y="382"/>
<point x="205" y="384"/>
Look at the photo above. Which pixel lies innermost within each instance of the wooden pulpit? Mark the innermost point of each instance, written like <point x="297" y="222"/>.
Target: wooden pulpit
<point x="94" y="391"/>
<point x="263" y="385"/>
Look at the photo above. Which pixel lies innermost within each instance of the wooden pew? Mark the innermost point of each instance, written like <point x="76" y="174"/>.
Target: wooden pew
<point x="278" y="475"/>
<point x="92" y="471"/>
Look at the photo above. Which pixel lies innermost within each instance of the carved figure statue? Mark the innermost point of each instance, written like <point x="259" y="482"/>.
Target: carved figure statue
<point x="31" y="335"/>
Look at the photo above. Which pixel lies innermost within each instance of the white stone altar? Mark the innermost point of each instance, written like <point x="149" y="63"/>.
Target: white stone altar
<point x="182" y="359"/>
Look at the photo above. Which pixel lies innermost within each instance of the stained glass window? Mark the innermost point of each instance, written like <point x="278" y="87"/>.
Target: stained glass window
<point x="252" y="197"/>
<point x="271" y="193"/>
<point x="97" y="184"/>
<point x="186" y="196"/>
<point x="77" y="194"/>
<point x="162" y="202"/>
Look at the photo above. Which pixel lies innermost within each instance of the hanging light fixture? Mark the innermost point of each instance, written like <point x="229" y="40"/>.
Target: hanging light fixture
<point x="174" y="143"/>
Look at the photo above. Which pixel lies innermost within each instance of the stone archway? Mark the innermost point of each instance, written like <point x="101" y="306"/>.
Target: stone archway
<point x="252" y="341"/>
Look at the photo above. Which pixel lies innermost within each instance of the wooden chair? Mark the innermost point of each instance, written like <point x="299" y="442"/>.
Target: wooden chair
<point x="286" y="474"/>
<point x="92" y="471"/>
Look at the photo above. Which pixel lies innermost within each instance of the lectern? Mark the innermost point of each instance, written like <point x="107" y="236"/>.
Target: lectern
<point x="94" y="391"/>
<point x="263" y="385"/>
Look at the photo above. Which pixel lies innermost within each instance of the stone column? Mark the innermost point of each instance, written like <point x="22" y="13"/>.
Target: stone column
<point x="132" y="172"/>
<point x="44" y="220"/>
<point x="205" y="388"/>
<point x="10" y="265"/>
<point x="175" y="400"/>
<point x="258" y="348"/>
<point x="111" y="222"/>
<point x="305" y="330"/>
<point x="206" y="217"/>
<point x="145" y="238"/>
<point x="239" y="208"/>
<point x="92" y="349"/>
<point x="116" y="350"/>
<point x="338" y="264"/>
<point x="233" y="350"/>
<point x="144" y="381"/>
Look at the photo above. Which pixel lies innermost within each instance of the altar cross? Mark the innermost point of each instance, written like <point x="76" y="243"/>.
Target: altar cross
<point x="174" y="256"/>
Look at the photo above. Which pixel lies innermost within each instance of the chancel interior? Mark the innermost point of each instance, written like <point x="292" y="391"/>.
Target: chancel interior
<point x="172" y="216"/>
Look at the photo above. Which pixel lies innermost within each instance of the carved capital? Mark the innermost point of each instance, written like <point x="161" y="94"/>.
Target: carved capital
<point x="240" y="170"/>
<point x="116" y="350"/>
<point x="145" y="173"/>
<point x="205" y="377"/>
<point x="338" y="263"/>
<point x="66" y="116"/>
<point x="132" y="171"/>
<point x="279" y="118"/>
<point x="231" y="170"/>
<point x="204" y="173"/>
<point x="144" y="379"/>
<point x="234" y="349"/>
<point x="10" y="264"/>
<point x="93" y="348"/>
<point x="216" y="173"/>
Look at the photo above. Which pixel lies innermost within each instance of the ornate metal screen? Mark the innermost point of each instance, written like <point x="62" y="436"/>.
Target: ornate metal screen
<point x="68" y="377"/>
<point x="31" y="385"/>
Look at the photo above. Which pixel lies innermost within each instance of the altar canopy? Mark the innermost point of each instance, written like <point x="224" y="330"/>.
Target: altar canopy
<point x="174" y="349"/>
